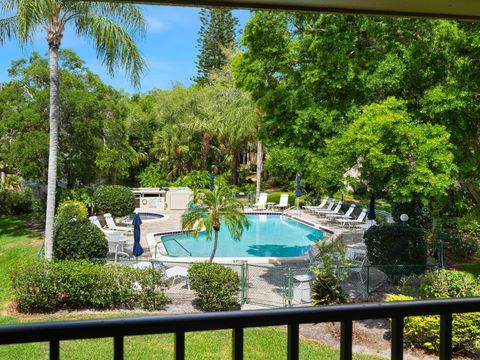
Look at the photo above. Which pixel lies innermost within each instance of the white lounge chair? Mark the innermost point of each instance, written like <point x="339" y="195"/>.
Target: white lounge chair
<point x="358" y="266"/>
<point x="354" y="222"/>
<point x="112" y="226"/>
<point x="262" y="202"/>
<point x="316" y="207"/>
<point x="347" y="215"/>
<point x="328" y="208"/>
<point x="177" y="272"/>
<point x="330" y="212"/>
<point x="94" y="220"/>
<point x="283" y="203"/>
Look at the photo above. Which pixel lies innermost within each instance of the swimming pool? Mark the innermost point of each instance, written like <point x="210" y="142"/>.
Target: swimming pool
<point x="268" y="236"/>
<point x="148" y="216"/>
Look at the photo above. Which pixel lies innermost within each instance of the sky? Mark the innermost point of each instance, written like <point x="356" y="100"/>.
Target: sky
<point x="169" y="49"/>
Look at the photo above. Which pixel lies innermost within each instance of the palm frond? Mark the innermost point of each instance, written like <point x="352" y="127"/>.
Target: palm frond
<point x="114" y="44"/>
<point x="8" y="29"/>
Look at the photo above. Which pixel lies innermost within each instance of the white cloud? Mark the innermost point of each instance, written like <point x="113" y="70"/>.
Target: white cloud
<point x="155" y="25"/>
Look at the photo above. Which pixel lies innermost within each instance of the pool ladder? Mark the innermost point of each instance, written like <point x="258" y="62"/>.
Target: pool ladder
<point x="183" y="247"/>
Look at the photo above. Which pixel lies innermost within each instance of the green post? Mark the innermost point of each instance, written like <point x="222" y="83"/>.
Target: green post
<point x="368" y="279"/>
<point x="289" y="287"/>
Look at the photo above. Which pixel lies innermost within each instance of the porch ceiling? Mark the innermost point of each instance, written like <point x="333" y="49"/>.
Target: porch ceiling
<point x="456" y="9"/>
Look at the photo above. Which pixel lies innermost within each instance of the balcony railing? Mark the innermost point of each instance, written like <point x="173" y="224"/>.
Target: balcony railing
<point x="54" y="332"/>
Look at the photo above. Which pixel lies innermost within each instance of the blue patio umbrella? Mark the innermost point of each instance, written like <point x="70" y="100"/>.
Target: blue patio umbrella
<point x="298" y="192"/>
<point x="212" y="181"/>
<point x="371" y="207"/>
<point x="137" y="248"/>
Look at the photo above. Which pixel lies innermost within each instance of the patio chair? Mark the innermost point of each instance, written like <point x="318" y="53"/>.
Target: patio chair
<point x="262" y="202"/>
<point x="177" y="272"/>
<point x="316" y="207"/>
<point x="329" y="212"/>
<point x="283" y="203"/>
<point x="115" y="248"/>
<point x="95" y="221"/>
<point x="112" y="226"/>
<point x="354" y="222"/>
<point x="328" y="208"/>
<point x="347" y="215"/>
<point x="358" y="266"/>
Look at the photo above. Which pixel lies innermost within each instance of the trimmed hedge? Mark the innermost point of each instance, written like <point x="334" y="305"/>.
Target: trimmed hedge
<point x="462" y="247"/>
<point x="44" y="286"/>
<point x="397" y="244"/>
<point x="216" y="286"/>
<point x="71" y="210"/>
<point x="18" y="202"/>
<point x="114" y="199"/>
<point x="75" y="240"/>
<point x="443" y="283"/>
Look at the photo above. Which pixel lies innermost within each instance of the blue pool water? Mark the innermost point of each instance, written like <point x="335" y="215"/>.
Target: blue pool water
<point x="268" y="235"/>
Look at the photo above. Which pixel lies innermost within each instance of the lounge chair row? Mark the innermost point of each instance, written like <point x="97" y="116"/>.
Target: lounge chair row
<point x="334" y="214"/>
<point x="261" y="204"/>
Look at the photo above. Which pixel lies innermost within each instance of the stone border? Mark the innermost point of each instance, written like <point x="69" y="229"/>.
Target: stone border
<point x="162" y="255"/>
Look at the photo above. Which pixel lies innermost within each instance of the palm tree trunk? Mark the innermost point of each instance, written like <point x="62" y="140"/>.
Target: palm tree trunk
<point x="215" y="243"/>
<point x="52" y="152"/>
<point x="259" y="167"/>
<point x="206" y="139"/>
<point x="235" y="165"/>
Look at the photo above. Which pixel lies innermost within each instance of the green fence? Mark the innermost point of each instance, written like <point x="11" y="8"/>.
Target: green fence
<point x="279" y="286"/>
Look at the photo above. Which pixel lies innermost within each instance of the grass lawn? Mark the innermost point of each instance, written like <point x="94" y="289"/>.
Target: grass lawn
<point x="473" y="269"/>
<point x="17" y="243"/>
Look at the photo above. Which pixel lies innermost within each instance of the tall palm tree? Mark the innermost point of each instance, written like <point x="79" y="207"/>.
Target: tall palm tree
<point x="209" y="208"/>
<point x="112" y="27"/>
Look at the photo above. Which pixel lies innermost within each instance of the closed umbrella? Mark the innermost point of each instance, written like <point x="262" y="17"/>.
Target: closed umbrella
<point x="371" y="208"/>
<point x="137" y="248"/>
<point x="212" y="181"/>
<point x="298" y="192"/>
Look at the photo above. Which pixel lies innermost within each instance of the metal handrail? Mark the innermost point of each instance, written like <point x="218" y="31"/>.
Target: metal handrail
<point x="54" y="332"/>
<point x="183" y="247"/>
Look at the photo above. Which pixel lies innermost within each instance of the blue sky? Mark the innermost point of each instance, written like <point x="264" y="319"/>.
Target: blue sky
<point x="169" y="49"/>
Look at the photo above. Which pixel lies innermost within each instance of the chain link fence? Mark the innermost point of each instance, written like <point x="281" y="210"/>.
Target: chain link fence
<point x="284" y="286"/>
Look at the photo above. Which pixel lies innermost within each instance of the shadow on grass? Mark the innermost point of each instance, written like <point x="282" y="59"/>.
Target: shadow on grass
<point x="13" y="226"/>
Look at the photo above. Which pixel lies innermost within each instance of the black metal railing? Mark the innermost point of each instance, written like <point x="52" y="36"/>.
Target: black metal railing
<point x="54" y="332"/>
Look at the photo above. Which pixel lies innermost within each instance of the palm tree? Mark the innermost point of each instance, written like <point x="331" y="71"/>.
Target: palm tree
<point x="112" y="27"/>
<point x="208" y="209"/>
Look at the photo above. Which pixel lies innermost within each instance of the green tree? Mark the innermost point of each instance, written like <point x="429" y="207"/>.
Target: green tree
<point x="111" y="26"/>
<point x="211" y="207"/>
<point x="395" y="157"/>
<point x="217" y="33"/>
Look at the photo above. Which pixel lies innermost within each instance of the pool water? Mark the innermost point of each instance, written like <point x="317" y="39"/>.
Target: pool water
<point x="267" y="236"/>
<point x="148" y="216"/>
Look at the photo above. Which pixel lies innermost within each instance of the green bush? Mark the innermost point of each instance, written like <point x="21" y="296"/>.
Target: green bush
<point x="397" y="244"/>
<point x="83" y="195"/>
<point x="462" y="247"/>
<point x="448" y="284"/>
<point x="215" y="285"/>
<point x="114" y="199"/>
<point x="44" y="286"/>
<point x="418" y="215"/>
<point x="17" y="202"/>
<point x="424" y="331"/>
<point x="71" y="209"/>
<point x="76" y="240"/>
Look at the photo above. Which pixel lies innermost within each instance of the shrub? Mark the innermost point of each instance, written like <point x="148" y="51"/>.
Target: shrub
<point x="43" y="286"/>
<point x="462" y="247"/>
<point x="332" y="268"/>
<point x="447" y="283"/>
<point x="397" y="244"/>
<point x="424" y="331"/>
<point x="18" y="202"/>
<point x="215" y="285"/>
<point x="83" y="195"/>
<point x="71" y="209"/>
<point x="114" y="199"/>
<point x="76" y="240"/>
<point x="418" y="215"/>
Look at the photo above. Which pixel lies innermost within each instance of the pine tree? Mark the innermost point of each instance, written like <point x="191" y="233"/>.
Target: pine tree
<point x="217" y="32"/>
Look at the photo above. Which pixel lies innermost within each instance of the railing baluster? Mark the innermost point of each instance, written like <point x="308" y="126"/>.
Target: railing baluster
<point x="293" y="350"/>
<point x="346" y="340"/>
<point x="180" y="345"/>
<point x="397" y="338"/>
<point x="54" y="350"/>
<point x="445" y="337"/>
<point x="237" y="344"/>
<point x="118" y="347"/>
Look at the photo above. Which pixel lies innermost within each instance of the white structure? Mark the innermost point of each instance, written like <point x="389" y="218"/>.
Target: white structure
<point x="156" y="199"/>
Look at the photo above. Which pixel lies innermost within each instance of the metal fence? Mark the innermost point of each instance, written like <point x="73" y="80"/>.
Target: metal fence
<point x="286" y="286"/>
